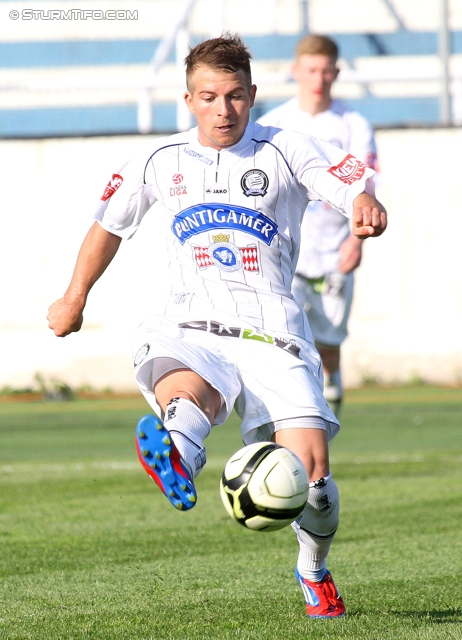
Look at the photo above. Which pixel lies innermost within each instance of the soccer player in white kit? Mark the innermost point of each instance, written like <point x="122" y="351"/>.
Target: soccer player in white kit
<point x="231" y="334"/>
<point x="329" y="253"/>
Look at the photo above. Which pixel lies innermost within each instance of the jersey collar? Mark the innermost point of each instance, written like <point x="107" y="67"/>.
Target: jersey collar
<point x="209" y="152"/>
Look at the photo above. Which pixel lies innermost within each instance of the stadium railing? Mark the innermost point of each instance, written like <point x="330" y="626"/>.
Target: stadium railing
<point x="126" y="85"/>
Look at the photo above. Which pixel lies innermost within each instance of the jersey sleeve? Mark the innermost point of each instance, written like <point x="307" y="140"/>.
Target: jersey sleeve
<point x="126" y="199"/>
<point x="330" y="174"/>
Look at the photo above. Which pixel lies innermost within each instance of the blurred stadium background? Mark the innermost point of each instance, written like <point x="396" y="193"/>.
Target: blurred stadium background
<point x="82" y="83"/>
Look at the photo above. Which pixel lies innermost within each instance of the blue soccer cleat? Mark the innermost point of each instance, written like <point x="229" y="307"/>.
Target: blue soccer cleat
<point x="322" y="598"/>
<point x="162" y="461"/>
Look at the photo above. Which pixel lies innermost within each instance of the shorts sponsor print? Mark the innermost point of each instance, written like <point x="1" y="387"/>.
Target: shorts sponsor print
<point x="219" y="329"/>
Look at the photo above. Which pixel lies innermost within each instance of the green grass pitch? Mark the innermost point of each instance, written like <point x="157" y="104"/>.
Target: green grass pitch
<point x="90" y="549"/>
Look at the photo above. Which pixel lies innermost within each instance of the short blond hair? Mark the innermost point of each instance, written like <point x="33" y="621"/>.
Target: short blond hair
<point x="227" y="53"/>
<point x="317" y="45"/>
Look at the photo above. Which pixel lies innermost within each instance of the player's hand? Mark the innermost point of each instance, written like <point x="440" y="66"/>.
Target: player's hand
<point x="64" y="317"/>
<point x="369" y="217"/>
<point x="350" y="254"/>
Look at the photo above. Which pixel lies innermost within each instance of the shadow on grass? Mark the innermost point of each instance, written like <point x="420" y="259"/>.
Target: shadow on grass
<point x="438" y="617"/>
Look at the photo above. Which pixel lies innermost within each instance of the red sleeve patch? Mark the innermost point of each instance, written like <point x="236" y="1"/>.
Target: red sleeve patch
<point x="349" y="170"/>
<point x="112" y="186"/>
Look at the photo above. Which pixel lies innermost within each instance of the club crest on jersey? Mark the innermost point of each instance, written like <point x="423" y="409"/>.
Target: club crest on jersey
<point x="247" y="257"/>
<point x="112" y="186"/>
<point x="212" y="216"/>
<point x="254" y="183"/>
<point x="224" y="255"/>
<point x="349" y="170"/>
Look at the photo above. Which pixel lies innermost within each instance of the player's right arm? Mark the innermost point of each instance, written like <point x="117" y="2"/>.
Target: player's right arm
<point x="96" y="253"/>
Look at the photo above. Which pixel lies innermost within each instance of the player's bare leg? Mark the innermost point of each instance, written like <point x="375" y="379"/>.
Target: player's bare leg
<point x="317" y="524"/>
<point x="333" y="388"/>
<point x="310" y="445"/>
<point x="173" y="453"/>
<point x="187" y="384"/>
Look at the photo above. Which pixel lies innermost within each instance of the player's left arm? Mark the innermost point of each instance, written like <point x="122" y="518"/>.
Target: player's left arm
<point x="330" y="176"/>
<point x="363" y="146"/>
<point x="369" y="217"/>
<point x="350" y="254"/>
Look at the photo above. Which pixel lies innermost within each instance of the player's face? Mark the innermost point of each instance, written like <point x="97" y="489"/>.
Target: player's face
<point x="315" y="75"/>
<point x="221" y="102"/>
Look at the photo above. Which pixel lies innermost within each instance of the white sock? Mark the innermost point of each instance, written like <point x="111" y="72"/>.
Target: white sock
<point x="316" y="527"/>
<point x="189" y="426"/>
<point x="333" y="387"/>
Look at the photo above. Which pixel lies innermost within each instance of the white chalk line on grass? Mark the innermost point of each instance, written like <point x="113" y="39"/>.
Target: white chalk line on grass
<point x="395" y="458"/>
<point x="69" y="466"/>
<point x="379" y="459"/>
<point x="120" y="465"/>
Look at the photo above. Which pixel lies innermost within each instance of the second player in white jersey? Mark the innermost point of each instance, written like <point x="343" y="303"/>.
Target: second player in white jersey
<point x="329" y="253"/>
<point x="323" y="227"/>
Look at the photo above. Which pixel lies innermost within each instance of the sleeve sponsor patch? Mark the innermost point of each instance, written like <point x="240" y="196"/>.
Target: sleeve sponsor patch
<point x="349" y="170"/>
<point x="112" y="186"/>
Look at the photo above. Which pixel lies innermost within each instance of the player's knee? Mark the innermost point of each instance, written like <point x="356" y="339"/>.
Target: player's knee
<point x="320" y="517"/>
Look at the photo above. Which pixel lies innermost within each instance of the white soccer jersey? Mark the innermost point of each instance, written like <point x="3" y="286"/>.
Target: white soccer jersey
<point x="234" y="218"/>
<point x="324" y="229"/>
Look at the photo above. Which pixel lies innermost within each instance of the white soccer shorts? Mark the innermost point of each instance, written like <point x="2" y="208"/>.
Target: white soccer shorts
<point x="252" y="371"/>
<point x="327" y="303"/>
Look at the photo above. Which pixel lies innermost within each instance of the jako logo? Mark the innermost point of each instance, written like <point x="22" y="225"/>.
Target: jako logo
<point x="177" y="178"/>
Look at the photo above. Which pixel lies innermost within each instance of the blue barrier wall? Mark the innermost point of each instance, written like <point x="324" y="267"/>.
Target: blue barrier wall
<point x="53" y="120"/>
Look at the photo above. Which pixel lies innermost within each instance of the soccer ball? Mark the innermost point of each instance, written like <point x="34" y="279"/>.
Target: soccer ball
<point x="264" y="486"/>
